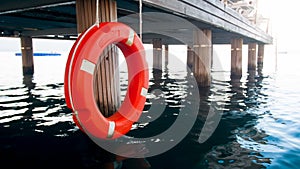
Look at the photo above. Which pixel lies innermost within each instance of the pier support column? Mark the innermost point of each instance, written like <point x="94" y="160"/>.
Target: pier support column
<point x="166" y="55"/>
<point x="106" y="85"/>
<point x="202" y="57"/>
<point x="252" y="56"/>
<point x="236" y="57"/>
<point x="260" y="56"/>
<point x="157" y="54"/>
<point x="27" y="55"/>
<point x="190" y="58"/>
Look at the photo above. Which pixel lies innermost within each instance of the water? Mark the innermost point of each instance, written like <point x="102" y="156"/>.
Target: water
<point x="259" y="125"/>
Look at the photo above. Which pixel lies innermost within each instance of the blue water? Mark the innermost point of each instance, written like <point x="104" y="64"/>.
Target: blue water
<point x="259" y="126"/>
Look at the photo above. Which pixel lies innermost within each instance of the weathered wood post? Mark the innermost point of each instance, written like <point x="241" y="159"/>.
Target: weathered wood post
<point x="252" y="56"/>
<point x="236" y="57"/>
<point x="157" y="54"/>
<point x="27" y="55"/>
<point x="190" y="58"/>
<point x="107" y="92"/>
<point x="166" y="55"/>
<point x="260" y="55"/>
<point x="202" y="57"/>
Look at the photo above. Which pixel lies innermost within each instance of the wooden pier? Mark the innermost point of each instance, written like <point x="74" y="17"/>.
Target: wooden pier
<point x="65" y="19"/>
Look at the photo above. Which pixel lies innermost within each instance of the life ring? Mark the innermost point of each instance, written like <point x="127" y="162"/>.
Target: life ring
<point x="79" y="77"/>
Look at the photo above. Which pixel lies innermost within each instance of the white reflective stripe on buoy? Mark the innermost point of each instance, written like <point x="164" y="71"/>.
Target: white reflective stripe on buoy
<point x="87" y="66"/>
<point x="144" y="92"/>
<point x="130" y="38"/>
<point x="111" y="129"/>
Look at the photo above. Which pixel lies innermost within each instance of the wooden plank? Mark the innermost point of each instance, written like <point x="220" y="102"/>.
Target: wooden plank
<point x="101" y="86"/>
<point x="105" y="88"/>
<point x="78" y="16"/>
<point x="112" y="75"/>
<point x="112" y="16"/>
<point x="89" y="18"/>
<point x="114" y="13"/>
<point x="106" y="62"/>
<point x="85" y="25"/>
<point x="17" y="5"/>
<point x="19" y="22"/>
<point x="117" y="79"/>
<point x="98" y="88"/>
<point x="94" y="11"/>
<point x="59" y="31"/>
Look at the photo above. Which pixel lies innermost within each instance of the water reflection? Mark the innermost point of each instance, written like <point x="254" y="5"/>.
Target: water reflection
<point x="26" y="138"/>
<point x="238" y="128"/>
<point x="237" y="99"/>
<point x="37" y="130"/>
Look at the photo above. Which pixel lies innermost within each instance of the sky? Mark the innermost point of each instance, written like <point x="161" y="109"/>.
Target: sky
<point x="284" y="20"/>
<point x="39" y="45"/>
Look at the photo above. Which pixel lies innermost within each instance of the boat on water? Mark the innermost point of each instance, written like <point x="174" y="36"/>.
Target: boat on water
<point x="41" y="54"/>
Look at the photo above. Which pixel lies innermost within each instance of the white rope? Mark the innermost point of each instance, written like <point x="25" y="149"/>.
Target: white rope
<point x="141" y="20"/>
<point x="97" y="12"/>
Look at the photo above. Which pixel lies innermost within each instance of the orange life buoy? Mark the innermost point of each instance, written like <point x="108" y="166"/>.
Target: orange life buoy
<point x="79" y="74"/>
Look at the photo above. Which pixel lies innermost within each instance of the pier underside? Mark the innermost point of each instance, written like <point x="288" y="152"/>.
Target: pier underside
<point x="57" y="19"/>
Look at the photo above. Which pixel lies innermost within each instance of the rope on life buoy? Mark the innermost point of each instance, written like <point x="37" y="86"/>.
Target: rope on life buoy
<point x="141" y="18"/>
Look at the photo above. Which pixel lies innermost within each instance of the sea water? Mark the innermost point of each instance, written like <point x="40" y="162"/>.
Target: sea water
<point x="258" y="126"/>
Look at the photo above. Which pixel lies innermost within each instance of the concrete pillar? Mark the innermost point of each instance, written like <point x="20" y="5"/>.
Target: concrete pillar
<point x="157" y="54"/>
<point x="252" y="56"/>
<point x="236" y="57"/>
<point x="260" y="55"/>
<point x="107" y="89"/>
<point x="27" y="55"/>
<point x="202" y="58"/>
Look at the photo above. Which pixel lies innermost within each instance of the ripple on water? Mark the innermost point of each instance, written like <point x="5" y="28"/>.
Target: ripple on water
<point x="259" y="125"/>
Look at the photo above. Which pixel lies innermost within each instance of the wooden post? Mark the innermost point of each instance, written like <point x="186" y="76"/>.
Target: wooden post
<point x="157" y="54"/>
<point x="166" y="55"/>
<point x="212" y="56"/>
<point x="260" y="55"/>
<point x="236" y="57"/>
<point x="107" y="90"/>
<point x="252" y="56"/>
<point x="190" y="58"/>
<point x="27" y="55"/>
<point x="202" y="57"/>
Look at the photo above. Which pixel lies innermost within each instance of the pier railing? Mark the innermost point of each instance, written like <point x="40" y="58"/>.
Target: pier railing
<point x="249" y="9"/>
